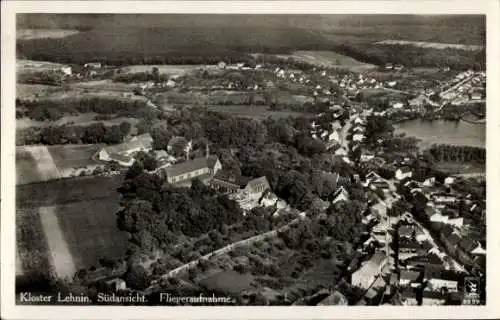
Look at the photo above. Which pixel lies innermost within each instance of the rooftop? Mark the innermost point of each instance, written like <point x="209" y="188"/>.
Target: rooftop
<point x="409" y="275"/>
<point x="190" y="166"/>
<point x="139" y="142"/>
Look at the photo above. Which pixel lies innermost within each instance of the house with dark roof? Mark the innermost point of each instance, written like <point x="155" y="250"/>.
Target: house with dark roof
<point x="203" y="168"/>
<point x="380" y="184"/>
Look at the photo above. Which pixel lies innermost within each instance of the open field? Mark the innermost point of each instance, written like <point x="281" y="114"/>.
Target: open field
<point x="70" y="190"/>
<point x="27" y="34"/>
<point x="259" y="112"/>
<point x="26" y="167"/>
<point x="167" y="69"/>
<point x="78" y="212"/>
<point x="42" y="163"/>
<point x="64" y="238"/>
<point x="35" y="163"/>
<point x="70" y="156"/>
<point x="89" y="228"/>
<point x="24" y="65"/>
<point x="31" y="243"/>
<point x="34" y="91"/>
<point x="61" y="258"/>
<point x="436" y="45"/>
<point x="105" y="86"/>
<point x="460" y="168"/>
<point x="89" y="89"/>
<point x="329" y="59"/>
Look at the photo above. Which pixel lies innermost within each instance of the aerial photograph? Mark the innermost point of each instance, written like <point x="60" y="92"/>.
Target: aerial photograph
<point x="250" y="159"/>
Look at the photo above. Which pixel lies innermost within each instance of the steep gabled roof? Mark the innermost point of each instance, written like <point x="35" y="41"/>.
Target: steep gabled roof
<point x="255" y="183"/>
<point x="119" y="157"/>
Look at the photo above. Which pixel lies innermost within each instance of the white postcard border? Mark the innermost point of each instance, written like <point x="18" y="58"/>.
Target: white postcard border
<point x="9" y="8"/>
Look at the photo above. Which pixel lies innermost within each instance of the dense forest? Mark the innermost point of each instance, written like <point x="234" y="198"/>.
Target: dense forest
<point x="412" y="56"/>
<point x="194" y="45"/>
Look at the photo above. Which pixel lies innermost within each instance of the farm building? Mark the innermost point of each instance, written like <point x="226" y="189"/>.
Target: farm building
<point x="123" y="153"/>
<point x="203" y="168"/>
<point x="93" y="65"/>
<point x="66" y="70"/>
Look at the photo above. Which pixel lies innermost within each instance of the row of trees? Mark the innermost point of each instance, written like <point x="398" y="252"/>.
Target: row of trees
<point x="442" y="152"/>
<point x="41" y="77"/>
<point x="66" y="134"/>
<point x="51" y="109"/>
<point x="141" y="77"/>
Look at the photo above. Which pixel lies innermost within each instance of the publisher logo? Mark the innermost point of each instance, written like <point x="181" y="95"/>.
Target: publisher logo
<point x="472" y="291"/>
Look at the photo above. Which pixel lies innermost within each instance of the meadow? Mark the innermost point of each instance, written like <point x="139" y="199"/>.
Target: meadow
<point x="71" y="190"/>
<point x="166" y="69"/>
<point x="90" y="230"/>
<point x="27" y="34"/>
<point x="436" y="45"/>
<point x="249" y="111"/>
<point x="33" y="164"/>
<point x="65" y="225"/>
<point x="329" y="59"/>
<point x="71" y="156"/>
<point x="42" y="163"/>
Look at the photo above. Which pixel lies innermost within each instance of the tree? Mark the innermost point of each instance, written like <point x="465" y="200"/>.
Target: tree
<point x="125" y="128"/>
<point x="178" y="145"/>
<point x="149" y="162"/>
<point x="94" y="133"/>
<point x="156" y="74"/>
<point x="135" y="170"/>
<point x="137" y="278"/>
<point x="398" y="208"/>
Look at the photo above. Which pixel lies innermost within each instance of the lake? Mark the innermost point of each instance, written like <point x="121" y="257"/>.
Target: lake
<point x="444" y="132"/>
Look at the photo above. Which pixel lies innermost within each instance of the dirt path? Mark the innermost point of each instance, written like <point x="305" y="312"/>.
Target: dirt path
<point x="44" y="162"/>
<point x="61" y="258"/>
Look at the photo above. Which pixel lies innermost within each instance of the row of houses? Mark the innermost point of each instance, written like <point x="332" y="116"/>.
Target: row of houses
<point x="443" y="217"/>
